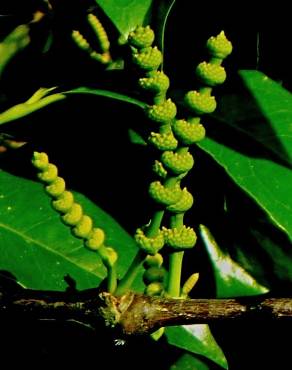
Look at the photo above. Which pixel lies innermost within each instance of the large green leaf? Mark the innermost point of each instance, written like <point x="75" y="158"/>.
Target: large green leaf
<point x="260" y="165"/>
<point x="230" y="278"/>
<point x="126" y="14"/>
<point x="39" y="250"/>
<point x="197" y="339"/>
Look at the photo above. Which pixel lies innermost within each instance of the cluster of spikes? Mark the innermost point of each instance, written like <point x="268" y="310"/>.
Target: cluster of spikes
<point x="103" y="56"/>
<point x="172" y="140"/>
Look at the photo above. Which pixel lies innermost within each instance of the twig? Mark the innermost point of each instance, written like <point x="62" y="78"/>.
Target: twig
<point x="136" y="314"/>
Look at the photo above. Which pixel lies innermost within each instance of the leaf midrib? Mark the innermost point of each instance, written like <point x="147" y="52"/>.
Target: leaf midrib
<point x="44" y="246"/>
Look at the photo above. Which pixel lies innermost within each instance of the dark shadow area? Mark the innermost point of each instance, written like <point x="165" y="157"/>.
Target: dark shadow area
<point x="52" y="343"/>
<point x="87" y="138"/>
<point x="255" y="345"/>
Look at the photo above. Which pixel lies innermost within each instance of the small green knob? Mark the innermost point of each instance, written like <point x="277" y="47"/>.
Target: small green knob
<point x="148" y="59"/>
<point x="180" y="238"/>
<point x="188" y="132"/>
<point x="218" y="46"/>
<point x="141" y="37"/>
<point x="156" y="81"/>
<point x="211" y="74"/>
<point x="163" y="112"/>
<point x="200" y="103"/>
<point x="177" y="162"/>
<point x="150" y="245"/>
<point x="164" y="141"/>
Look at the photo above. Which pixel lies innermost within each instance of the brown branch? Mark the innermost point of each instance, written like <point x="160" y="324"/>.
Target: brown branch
<point x="136" y="314"/>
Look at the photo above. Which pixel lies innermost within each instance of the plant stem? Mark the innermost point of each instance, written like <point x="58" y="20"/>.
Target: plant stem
<point x="175" y="262"/>
<point x="137" y="314"/>
<point x="112" y="279"/>
<point x="155" y="223"/>
<point x="174" y="277"/>
<point x="126" y="282"/>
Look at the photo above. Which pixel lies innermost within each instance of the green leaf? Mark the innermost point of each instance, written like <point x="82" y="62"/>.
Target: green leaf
<point x="259" y="160"/>
<point x="230" y="278"/>
<point x="107" y="94"/>
<point x="136" y="138"/>
<point x="275" y="104"/>
<point x="126" y="14"/>
<point x="197" y="339"/>
<point x="189" y="362"/>
<point x="39" y="250"/>
<point x="37" y="101"/>
<point x="17" y="40"/>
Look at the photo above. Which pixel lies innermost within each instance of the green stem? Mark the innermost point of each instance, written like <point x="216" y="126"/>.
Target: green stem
<point x="112" y="279"/>
<point x="126" y="282"/>
<point x="159" y="98"/>
<point x="175" y="261"/>
<point x="205" y="90"/>
<point x="155" y="223"/>
<point x="217" y="61"/>
<point x="174" y="277"/>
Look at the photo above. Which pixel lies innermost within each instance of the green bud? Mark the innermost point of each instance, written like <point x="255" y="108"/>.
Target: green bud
<point x="188" y="132"/>
<point x="154" y="289"/>
<point x="150" y="245"/>
<point x="177" y="162"/>
<point x="153" y="261"/>
<point x="49" y="174"/>
<point x="164" y="141"/>
<point x="74" y="216"/>
<point x="95" y="239"/>
<point x="83" y="228"/>
<point x="159" y="169"/>
<point x="163" y="112"/>
<point x="153" y="274"/>
<point x="40" y="160"/>
<point x="218" y="46"/>
<point x="200" y="103"/>
<point x="141" y="37"/>
<point x="180" y="238"/>
<point x="64" y="202"/>
<point x="156" y="81"/>
<point x="211" y="74"/>
<point x="164" y="195"/>
<point x="56" y="188"/>
<point x="185" y="203"/>
<point x="148" y="59"/>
